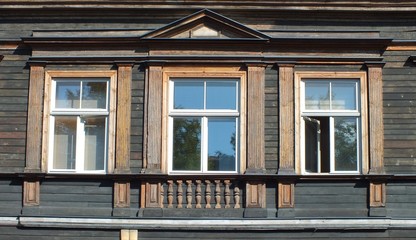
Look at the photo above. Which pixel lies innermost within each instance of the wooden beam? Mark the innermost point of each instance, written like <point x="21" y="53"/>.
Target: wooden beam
<point x="286" y="195"/>
<point x="376" y="127"/>
<point x="286" y="120"/>
<point x="124" y="78"/>
<point x="34" y="119"/>
<point x="31" y="191"/>
<point x="153" y="129"/>
<point x="121" y="194"/>
<point x="255" y="119"/>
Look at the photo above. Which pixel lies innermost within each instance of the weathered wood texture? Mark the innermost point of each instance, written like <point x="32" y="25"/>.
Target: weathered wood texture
<point x="271" y="125"/>
<point x="255" y="118"/>
<point x="377" y="196"/>
<point x="14" y="84"/>
<point x="31" y="192"/>
<point x="121" y="194"/>
<point x="321" y="199"/>
<point x="136" y="130"/>
<point x="401" y="199"/>
<point x="124" y="79"/>
<point x="10" y="197"/>
<point x="81" y="197"/>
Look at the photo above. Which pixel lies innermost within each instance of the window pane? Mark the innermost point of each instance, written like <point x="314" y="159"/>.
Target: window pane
<point x="345" y="143"/>
<point x="312" y="144"/>
<point x="186" y="144"/>
<point x="95" y="144"/>
<point x="94" y="95"/>
<point x="316" y="95"/>
<point x="221" y="95"/>
<point x="344" y="96"/>
<point x="67" y="94"/>
<point x="221" y="144"/>
<point x="64" y="145"/>
<point x="188" y="95"/>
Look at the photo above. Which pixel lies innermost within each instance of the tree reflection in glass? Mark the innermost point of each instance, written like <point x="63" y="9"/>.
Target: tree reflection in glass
<point x="187" y="144"/>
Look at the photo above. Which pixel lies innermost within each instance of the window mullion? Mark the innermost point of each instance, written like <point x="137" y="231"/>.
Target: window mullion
<point x="79" y="159"/>
<point x="332" y="144"/>
<point x="204" y="145"/>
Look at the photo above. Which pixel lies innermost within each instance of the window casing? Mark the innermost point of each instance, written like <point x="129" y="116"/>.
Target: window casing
<point x="79" y="116"/>
<point x="331" y="123"/>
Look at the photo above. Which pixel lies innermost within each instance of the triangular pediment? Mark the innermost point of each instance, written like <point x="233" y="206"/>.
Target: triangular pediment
<point x="205" y="24"/>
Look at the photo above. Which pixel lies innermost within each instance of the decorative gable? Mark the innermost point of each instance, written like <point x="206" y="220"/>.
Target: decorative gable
<point x="205" y="24"/>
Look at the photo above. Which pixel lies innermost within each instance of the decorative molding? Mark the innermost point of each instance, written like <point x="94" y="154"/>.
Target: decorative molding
<point x="255" y="194"/>
<point x="34" y="119"/>
<point x="121" y="194"/>
<point x="153" y="195"/>
<point x="377" y="194"/>
<point x="124" y="79"/>
<point x="286" y="195"/>
<point x="31" y="192"/>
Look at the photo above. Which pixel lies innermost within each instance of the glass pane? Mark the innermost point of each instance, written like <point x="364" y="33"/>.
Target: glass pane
<point x="345" y="144"/>
<point x="312" y="142"/>
<point x="186" y="144"/>
<point x="344" y="95"/>
<point x="316" y="95"/>
<point x="95" y="144"/>
<point x="221" y="144"/>
<point x="67" y="95"/>
<point x="64" y="144"/>
<point x="94" y="95"/>
<point x="221" y="95"/>
<point x="188" y="95"/>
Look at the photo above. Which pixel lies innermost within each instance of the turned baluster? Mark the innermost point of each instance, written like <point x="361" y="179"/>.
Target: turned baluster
<point x="189" y="194"/>
<point x="170" y="194"/>
<point x="217" y="194"/>
<point x="162" y="195"/>
<point x="180" y="193"/>
<point x="208" y="194"/>
<point x="227" y="193"/>
<point x="198" y="194"/>
<point x="237" y="197"/>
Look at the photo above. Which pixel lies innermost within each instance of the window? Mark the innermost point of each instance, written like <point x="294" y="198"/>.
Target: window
<point x="332" y="123"/>
<point x="203" y="123"/>
<point x="80" y="120"/>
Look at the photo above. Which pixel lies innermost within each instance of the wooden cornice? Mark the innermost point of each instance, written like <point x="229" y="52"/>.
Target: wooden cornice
<point x="317" y="5"/>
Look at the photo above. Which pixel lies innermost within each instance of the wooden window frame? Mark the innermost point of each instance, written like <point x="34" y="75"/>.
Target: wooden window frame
<point x="204" y="72"/>
<point x="364" y="127"/>
<point x="111" y="131"/>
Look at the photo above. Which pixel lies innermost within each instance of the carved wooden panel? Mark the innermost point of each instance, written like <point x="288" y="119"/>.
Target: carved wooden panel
<point x="124" y="78"/>
<point x="153" y="195"/>
<point x="376" y="131"/>
<point x="121" y="194"/>
<point x="377" y="194"/>
<point x="31" y="190"/>
<point x="286" y="195"/>
<point x="34" y="119"/>
<point x="286" y="120"/>
<point x="255" y="194"/>
<point x="255" y="118"/>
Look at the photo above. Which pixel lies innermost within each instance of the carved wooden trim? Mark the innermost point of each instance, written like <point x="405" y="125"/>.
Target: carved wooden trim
<point x="376" y="131"/>
<point x="255" y="194"/>
<point x="255" y="119"/>
<point x="286" y="195"/>
<point x="286" y="120"/>
<point x="121" y="194"/>
<point x="153" y="195"/>
<point x="31" y="192"/>
<point x="124" y="75"/>
<point x="34" y="119"/>
<point x="377" y="194"/>
<point x="153" y="107"/>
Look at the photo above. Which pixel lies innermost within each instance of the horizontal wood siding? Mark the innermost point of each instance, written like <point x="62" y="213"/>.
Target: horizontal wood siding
<point x="271" y="125"/>
<point x="401" y="199"/>
<point x="82" y="197"/>
<point x="399" y="105"/>
<point x="321" y="199"/>
<point x="14" y="233"/>
<point x="10" y="197"/>
<point x="137" y="100"/>
<point x="14" y="83"/>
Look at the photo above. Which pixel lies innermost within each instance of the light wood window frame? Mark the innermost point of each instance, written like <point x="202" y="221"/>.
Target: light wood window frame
<point x="52" y="74"/>
<point x="363" y="85"/>
<point x="204" y="72"/>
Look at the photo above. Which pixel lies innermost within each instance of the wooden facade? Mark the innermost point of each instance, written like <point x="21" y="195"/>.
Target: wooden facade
<point x="269" y="48"/>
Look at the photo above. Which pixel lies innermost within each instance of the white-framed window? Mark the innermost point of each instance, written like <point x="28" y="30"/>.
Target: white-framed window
<point x="79" y="124"/>
<point x="203" y="125"/>
<point x="332" y="123"/>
